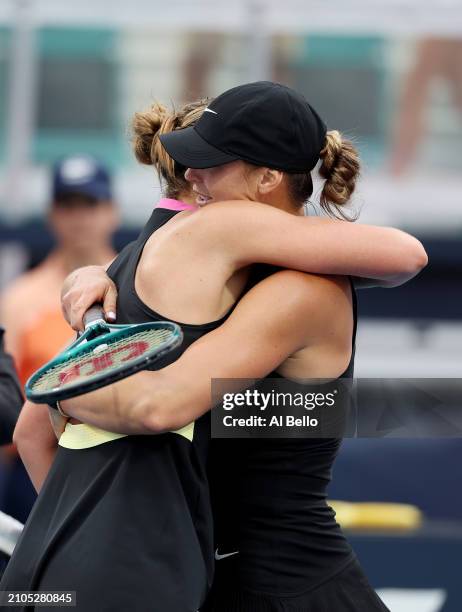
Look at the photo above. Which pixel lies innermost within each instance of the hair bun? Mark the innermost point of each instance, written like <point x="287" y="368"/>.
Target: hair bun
<point x="146" y="126"/>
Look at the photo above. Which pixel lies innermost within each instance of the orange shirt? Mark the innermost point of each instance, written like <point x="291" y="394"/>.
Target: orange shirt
<point x="41" y="340"/>
<point x="30" y="310"/>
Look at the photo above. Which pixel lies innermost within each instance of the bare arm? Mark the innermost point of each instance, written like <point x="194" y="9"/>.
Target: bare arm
<point x="36" y="441"/>
<point x="249" y="232"/>
<point x="247" y="345"/>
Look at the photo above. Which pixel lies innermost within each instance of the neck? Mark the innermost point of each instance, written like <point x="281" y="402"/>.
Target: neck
<point x="283" y="202"/>
<point x="187" y="197"/>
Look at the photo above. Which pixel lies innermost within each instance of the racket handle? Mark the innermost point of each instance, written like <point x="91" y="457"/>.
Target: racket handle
<point x="93" y="315"/>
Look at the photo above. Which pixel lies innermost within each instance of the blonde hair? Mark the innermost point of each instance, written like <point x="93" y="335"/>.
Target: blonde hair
<point x="340" y="167"/>
<point x="148" y="125"/>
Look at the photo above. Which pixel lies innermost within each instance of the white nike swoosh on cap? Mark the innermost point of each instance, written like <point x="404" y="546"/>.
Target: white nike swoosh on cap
<point x="219" y="557"/>
<point x="209" y="110"/>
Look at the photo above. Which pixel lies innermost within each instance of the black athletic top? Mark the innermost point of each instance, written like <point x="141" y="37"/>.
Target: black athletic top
<point x="269" y="501"/>
<point x="124" y="520"/>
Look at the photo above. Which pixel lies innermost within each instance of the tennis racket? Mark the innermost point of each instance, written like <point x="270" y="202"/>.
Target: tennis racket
<point x="101" y="355"/>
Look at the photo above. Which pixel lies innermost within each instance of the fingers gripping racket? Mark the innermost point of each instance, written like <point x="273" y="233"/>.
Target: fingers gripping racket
<point x="101" y="355"/>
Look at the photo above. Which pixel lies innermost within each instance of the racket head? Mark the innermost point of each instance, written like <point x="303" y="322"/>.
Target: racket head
<point x="103" y="355"/>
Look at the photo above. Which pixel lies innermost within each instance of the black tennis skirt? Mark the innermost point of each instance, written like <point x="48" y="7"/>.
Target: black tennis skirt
<point x="347" y="591"/>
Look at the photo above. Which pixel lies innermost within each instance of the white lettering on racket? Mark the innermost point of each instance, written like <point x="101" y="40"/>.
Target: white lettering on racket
<point x="98" y="363"/>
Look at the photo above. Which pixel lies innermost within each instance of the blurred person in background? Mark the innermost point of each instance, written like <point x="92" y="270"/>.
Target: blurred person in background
<point x="82" y="218"/>
<point x="435" y="58"/>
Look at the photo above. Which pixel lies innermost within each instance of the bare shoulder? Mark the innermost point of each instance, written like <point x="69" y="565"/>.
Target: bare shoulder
<point x="310" y="288"/>
<point x="316" y="303"/>
<point x="298" y="297"/>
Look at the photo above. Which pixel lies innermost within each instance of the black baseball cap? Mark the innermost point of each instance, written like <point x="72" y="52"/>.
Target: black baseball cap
<point x="264" y="123"/>
<point x="83" y="175"/>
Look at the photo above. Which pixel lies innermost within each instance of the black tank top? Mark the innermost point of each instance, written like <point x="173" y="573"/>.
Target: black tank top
<point x="125" y="522"/>
<point x="269" y="502"/>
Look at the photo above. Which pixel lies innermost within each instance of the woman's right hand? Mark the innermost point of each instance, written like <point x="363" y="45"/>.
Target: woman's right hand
<point x="83" y="288"/>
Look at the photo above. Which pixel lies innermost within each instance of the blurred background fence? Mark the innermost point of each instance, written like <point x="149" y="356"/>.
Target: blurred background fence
<point x="389" y="75"/>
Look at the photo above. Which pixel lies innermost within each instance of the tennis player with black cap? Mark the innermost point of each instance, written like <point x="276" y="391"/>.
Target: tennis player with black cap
<point x="278" y="544"/>
<point x="261" y="122"/>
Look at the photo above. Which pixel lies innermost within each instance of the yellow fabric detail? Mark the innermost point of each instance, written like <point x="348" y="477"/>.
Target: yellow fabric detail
<point x="77" y="437"/>
<point x="85" y="436"/>
<point x="187" y="431"/>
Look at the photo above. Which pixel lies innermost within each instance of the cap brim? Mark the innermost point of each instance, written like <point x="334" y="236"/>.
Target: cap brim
<point x="190" y="150"/>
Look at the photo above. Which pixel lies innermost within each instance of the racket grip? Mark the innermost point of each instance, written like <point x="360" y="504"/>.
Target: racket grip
<point x="93" y="315"/>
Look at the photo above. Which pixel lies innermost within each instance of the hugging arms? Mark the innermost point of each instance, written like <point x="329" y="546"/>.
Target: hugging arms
<point x="235" y="234"/>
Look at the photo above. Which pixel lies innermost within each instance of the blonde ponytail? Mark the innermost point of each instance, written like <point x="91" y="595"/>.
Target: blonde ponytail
<point x="340" y="167"/>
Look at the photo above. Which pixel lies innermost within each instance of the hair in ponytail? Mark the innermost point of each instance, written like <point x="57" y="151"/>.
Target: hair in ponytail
<point x="340" y="167"/>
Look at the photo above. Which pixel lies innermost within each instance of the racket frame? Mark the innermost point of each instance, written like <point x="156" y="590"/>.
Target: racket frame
<point x="93" y="336"/>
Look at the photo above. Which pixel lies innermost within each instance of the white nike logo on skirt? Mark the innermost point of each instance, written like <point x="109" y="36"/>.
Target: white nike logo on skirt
<point x="219" y="557"/>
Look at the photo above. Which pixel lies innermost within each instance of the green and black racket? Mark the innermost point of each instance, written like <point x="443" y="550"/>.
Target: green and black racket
<point x="101" y="355"/>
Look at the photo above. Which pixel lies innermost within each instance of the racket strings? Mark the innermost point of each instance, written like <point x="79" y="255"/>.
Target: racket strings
<point x="104" y="358"/>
